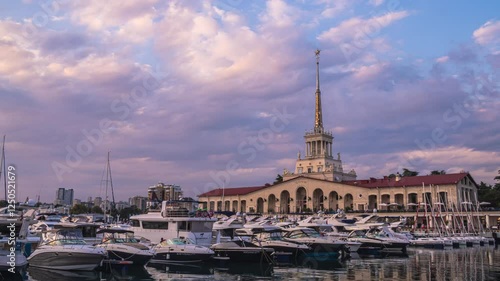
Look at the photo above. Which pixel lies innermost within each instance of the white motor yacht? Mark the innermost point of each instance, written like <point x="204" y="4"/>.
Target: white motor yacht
<point x="270" y="236"/>
<point x="180" y="250"/>
<point x="65" y="249"/>
<point x="122" y="248"/>
<point x="319" y="245"/>
<point x="174" y="221"/>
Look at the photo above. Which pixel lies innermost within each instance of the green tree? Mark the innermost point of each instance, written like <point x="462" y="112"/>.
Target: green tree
<point x="409" y="173"/>
<point x="279" y="178"/>
<point x="497" y="179"/>
<point x="97" y="210"/>
<point x="486" y="193"/>
<point x="79" y="209"/>
<point x="125" y="213"/>
<point x="436" y="172"/>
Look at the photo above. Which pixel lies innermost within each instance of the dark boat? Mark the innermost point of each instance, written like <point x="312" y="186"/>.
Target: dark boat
<point x="242" y="251"/>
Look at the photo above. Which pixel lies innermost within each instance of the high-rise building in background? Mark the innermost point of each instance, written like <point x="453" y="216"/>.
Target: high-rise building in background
<point x="139" y="202"/>
<point x="64" y="197"/>
<point x="97" y="201"/>
<point x="163" y="192"/>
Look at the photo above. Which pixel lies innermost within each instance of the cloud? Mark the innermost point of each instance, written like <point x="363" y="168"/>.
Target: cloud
<point x="376" y="2"/>
<point x="129" y="21"/>
<point x="359" y="29"/>
<point x="442" y="59"/>
<point x="210" y="48"/>
<point x="335" y="8"/>
<point x="488" y="33"/>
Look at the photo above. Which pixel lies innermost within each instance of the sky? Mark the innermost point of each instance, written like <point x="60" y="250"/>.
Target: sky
<point x="205" y="94"/>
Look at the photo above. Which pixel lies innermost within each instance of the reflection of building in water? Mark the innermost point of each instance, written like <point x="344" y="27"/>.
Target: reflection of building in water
<point x="428" y="265"/>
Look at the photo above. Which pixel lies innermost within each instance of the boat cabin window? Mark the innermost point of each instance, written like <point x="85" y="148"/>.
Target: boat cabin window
<point x="184" y="225"/>
<point x="200" y="226"/>
<point x="135" y="223"/>
<point x="154" y="225"/>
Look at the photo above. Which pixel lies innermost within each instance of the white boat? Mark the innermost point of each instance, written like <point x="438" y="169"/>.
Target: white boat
<point x="11" y="261"/>
<point x="369" y="245"/>
<point x="65" y="249"/>
<point x="242" y="251"/>
<point x="122" y="248"/>
<point x="225" y="228"/>
<point x="319" y="245"/>
<point x="180" y="250"/>
<point x="270" y="236"/>
<point x="431" y="242"/>
<point x="386" y="234"/>
<point x="329" y="231"/>
<point x="174" y="221"/>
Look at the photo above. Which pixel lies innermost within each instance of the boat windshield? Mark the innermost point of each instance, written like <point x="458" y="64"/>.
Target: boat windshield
<point x="270" y="236"/>
<point x="64" y="237"/>
<point x="127" y="237"/>
<point x="178" y="241"/>
<point x="311" y="233"/>
<point x="302" y="233"/>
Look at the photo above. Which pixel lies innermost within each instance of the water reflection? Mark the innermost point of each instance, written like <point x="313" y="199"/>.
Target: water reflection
<point x="194" y="269"/>
<point x="478" y="263"/>
<point x="60" y="275"/>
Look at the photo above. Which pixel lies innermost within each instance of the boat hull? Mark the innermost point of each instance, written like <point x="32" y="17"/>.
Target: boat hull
<point x="123" y="256"/>
<point x="184" y="257"/>
<point x="244" y="255"/>
<point x="65" y="260"/>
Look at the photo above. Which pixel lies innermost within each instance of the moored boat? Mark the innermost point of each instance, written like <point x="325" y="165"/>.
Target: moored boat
<point x="65" y="249"/>
<point x="180" y="250"/>
<point x="122" y="248"/>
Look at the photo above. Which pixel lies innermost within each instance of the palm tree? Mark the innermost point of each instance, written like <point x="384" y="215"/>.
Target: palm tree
<point x="279" y="178"/>
<point x="409" y="173"/>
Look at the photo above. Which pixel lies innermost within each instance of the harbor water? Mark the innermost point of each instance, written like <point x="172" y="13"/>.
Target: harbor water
<point x="473" y="263"/>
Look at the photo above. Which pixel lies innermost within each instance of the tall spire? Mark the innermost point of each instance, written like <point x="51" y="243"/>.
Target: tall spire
<point x="318" y="118"/>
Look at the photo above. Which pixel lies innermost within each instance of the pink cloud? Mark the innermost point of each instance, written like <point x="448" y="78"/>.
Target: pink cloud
<point x="488" y="33"/>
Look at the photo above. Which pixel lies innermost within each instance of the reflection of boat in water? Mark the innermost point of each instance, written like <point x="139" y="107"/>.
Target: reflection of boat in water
<point x="194" y="269"/>
<point x="252" y="269"/>
<point x="125" y="273"/>
<point x="334" y="265"/>
<point x="42" y="274"/>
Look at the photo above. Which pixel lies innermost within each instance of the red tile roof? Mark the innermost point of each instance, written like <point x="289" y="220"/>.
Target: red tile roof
<point x="232" y="191"/>
<point x="410" y="181"/>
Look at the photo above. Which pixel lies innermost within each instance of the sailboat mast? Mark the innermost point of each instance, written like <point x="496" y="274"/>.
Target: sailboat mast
<point x="111" y="184"/>
<point x="3" y="168"/>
